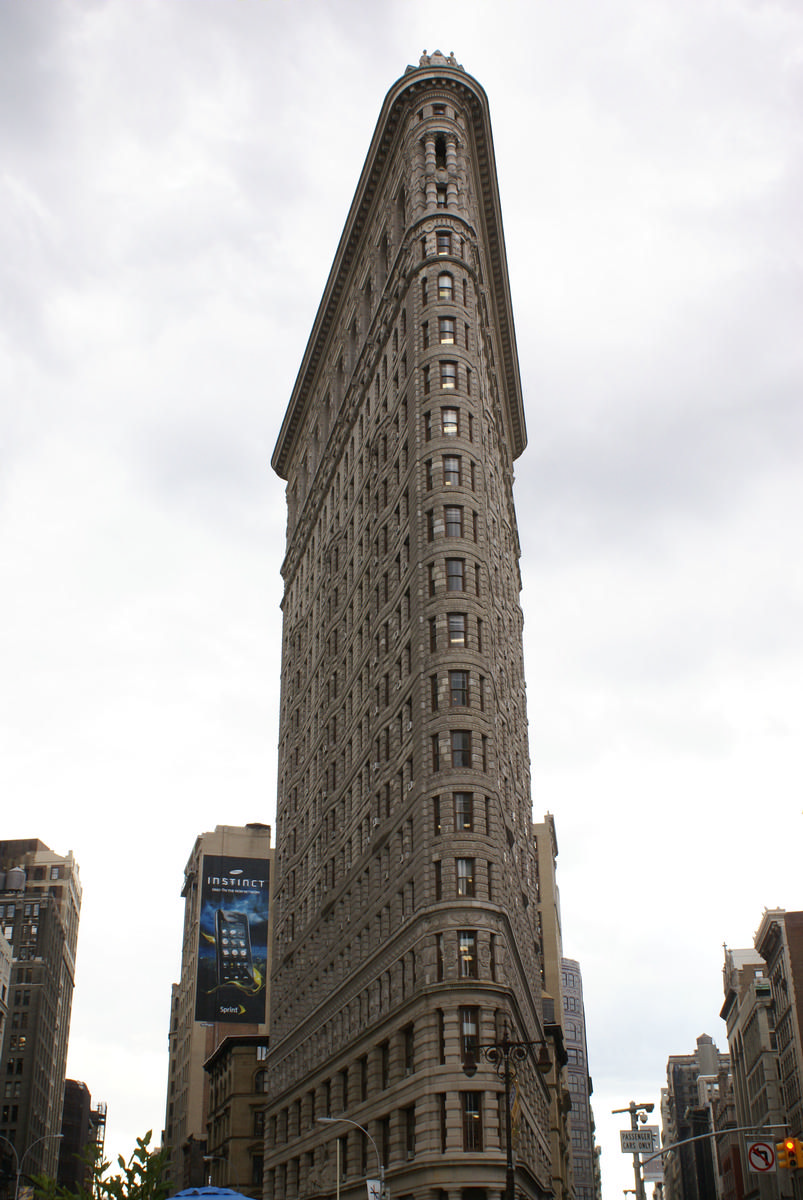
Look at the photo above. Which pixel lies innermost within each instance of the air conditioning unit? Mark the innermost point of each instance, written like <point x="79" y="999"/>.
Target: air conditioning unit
<point x="374" y="821"/>
<point x="409" y="725"/>
<point x="410" y="786"/>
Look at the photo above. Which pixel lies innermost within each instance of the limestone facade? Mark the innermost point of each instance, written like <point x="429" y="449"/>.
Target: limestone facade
<point x="405" y="907"/>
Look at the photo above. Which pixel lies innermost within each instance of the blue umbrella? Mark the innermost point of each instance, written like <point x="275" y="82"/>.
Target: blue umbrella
<point x="211" y="1193"/>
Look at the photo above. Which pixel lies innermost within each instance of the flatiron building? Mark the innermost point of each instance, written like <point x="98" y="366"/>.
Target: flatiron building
<point x="406" y="934"/>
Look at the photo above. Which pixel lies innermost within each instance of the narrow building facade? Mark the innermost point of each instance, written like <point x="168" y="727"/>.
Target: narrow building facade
<point x="223" y="989"/>
<point x="406" y="938"/>
<point x="40" y="907"/>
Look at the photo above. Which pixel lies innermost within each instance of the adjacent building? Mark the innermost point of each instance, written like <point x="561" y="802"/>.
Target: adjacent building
<point x="406" y="935"/>
<point x="223" y="990"/>
<point x="236" y="1118"/>
<point x="695" y="1083"/>
<point x="749" y="1015"/>
<point x="83" y="1130"/>
<point x="579" y="1083"/>
<point x="779" y="941"/>
<point x="40" y="906"/>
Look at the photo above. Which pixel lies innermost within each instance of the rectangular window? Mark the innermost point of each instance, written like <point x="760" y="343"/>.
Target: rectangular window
<point x="436" y="816"/>
<point x="440" y="195"/>
<point x="427" y="426"/>
<point x="455" y="571"/>
<point x="465" y="877"/>
<point x="450" y="422"/>
<point x="384" y="1063"/>
<point x="457" y="629"/>
<point x="428" y="469"/>
<point x="469" y="1034"/>
<point x="426" y="380"/>
<point x="452" y="470"/>
<point x="448" y="374"/>
<point x="430" y="525"/>
<point x="433" y="692"/>
<point x="453" y="520"/>
<point x="471" y="1107"/>
<point x="439" y="955"/>
<point x="458" y="688"/>
<point x="433" y="634"/>
<point x="445" y="286"/>
<point x="431" y="578"/>
<point x="460" y="740"/>
<point x="424" y="290"/>
<point x="408" y="1033"/>
<point x="446" y="331"/>
<point x="425" y="335"/>
<point x="409" y="1130"/>
<point x="438" y="879"/>
<point x="442" y="1110"/>
<point x="436" y="753"/>
<point x="463" y="812"/>
<point x="479" y="634"/>
<point x="443" y="241"/>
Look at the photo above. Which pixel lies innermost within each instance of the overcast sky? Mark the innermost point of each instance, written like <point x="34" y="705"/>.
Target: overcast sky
<point x="174" y="178"/>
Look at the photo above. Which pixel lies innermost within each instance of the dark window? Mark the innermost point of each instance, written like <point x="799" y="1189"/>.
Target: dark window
<point x="408" y="1033"/>
<point x="452" y="472"/>
<point x="428" y="468"/>
<point x="409" y="1130"/>
<point x="440" y="195"/>
<point x="436" y="815"/>
<point x="433" y="634"/>
<point x="427" y="426"/>
<point x="436" y="753"/>
<point x="425" y="335"/>
<point x="471" y="1106"/>
<point x="384" y="1063"/>
<point x="469" y="1034"/>
<point x="430" y="525"/>
<point x="426" y="380"/>
<point x="453" y="520"/>
<point x="424" y="290"/>
<point x="461" y="747"/>
<point x="438" y="879"/>
<point x="455" y="569"/>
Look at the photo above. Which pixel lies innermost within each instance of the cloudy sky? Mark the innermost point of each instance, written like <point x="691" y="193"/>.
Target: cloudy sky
<point x="173" y="181"/>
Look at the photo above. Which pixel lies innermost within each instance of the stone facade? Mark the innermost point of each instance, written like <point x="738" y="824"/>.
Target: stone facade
<point x="40" y="906"/>
<point x="236" y="1118"/>
<point x="191" y="1041"/>
<point x="406" y="917"/>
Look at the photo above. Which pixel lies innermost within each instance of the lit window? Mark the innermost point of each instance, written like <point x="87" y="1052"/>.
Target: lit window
<point x="463" y="812"/>
<point x="471" y="1106"/>
<point x="456" y="623"/>
<point x="458" y="688"/>
<point x="460" y="740"/>
<point x="467" y="953"/>
<point x="465" y="876"/>
<point x="450" y="422"/>
<point x="443" y="241"/>
<point x="448" y="375"/>
<point x="445" y="286"/>
<point x="446" y="327"/>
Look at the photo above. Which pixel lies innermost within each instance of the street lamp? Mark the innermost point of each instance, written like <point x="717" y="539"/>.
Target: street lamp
<point x="638" y="1112"/>
<point x="499" y="1055"/>
<point x="19" y="1161"/>
<point x="380" y="1167"/>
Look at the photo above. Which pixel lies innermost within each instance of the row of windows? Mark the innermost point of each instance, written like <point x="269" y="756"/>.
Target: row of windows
<point x="448" y="376"/>
<point x="459" y="690"/>
<point x="453" y="423"/>
<point x="452" y="468"/>
<point x="454" y="522"/>
<point x="460" y="751"/>
<point x="447" y="329"/>
<point x="445" y="289"/>
<point x="457" y="632"/>
<point x="455" y="576"/>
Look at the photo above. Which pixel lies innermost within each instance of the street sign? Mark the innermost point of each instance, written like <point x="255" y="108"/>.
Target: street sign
<point x="760" y="1155"/>
<point x="637" y="1141"/>
<point x="652" y="1169"/>
<point x="374" y="1189"/>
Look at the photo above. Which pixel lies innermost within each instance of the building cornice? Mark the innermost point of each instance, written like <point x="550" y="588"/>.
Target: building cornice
<point x="437" y="72"/>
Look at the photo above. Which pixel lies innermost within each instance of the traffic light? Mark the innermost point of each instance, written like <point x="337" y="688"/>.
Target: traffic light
<point x="789" y="1153"/>
<point x="785" y="1153"/>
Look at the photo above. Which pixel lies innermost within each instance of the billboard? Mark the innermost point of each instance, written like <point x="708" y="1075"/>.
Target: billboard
<point x="232" y="940"/>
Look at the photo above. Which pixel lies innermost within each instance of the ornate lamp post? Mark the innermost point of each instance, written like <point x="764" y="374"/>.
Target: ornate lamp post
<point x="500" y="1055"/>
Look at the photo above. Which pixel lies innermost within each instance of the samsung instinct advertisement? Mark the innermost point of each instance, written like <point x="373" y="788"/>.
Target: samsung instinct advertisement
<point x="233" y="940"/>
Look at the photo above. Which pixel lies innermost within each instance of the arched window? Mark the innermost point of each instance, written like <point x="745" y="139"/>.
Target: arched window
<point x="261" y="1081"/>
